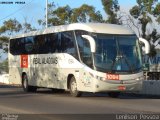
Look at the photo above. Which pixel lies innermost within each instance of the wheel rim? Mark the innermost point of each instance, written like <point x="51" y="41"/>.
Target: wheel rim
<point x="25" y="82"/>
<point x="73" y="86"/>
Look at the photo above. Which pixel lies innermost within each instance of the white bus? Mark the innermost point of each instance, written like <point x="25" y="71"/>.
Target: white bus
<point x="91" y="57"/>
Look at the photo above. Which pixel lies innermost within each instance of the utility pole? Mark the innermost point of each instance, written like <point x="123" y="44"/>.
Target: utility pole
<point x="46" y="13"/>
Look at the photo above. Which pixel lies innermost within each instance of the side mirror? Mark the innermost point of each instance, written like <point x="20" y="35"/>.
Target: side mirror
<point x="147" y="45"/>
<point x="91" y="41"/>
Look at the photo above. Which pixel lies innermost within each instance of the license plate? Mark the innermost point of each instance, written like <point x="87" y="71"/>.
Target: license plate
<point x="112" y="77"/>
<point x="121" y="88"/>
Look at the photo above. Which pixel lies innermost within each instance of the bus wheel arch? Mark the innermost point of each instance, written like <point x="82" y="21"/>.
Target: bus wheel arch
<point x="22" y="78"/>
<point x="69" y="79"/>
<point x="25" y="82"/>
<point x="70" y="82"/>
<point x="25" y="85"/>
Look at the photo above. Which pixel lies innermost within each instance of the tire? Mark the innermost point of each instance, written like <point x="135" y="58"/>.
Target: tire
<point x="73" y="88"/>
<point x="114" y="94"/>
<point x="26" y="87"/>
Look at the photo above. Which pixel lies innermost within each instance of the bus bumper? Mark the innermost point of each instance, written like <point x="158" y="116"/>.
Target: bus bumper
<point x="102" y="86"/>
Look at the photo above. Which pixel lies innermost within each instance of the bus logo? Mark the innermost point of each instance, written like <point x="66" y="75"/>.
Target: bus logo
<point x="112" y="77"/>
<point x="24" y="61"/>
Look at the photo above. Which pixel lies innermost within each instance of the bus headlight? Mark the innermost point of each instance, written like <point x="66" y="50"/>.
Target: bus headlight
<point x="140" y="78"/>
<point x="100" y="78"/>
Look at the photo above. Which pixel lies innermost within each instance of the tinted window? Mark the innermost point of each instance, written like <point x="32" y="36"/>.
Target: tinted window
<point x="40" y="44"/>
<point x="67" y="43"/>
<point x="17" y="46"/>
<point x="29" y="45"/>
<point x="43" y="44"/>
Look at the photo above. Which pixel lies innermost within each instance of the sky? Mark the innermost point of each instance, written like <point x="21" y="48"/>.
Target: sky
<point x="32" y="10"/>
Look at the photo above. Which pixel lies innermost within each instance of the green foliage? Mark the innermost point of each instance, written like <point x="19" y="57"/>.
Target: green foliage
<point x="2" y="29"/>
<point x="146" y="5"/>
<point x="152" y="51"/>
<point x="12" y="25"/>
<point x="143" y="12"/>
<point x="144" y="21"/>
<point x="156" y="12"/>
<point x="66" y="15"/>
<point x="135" y="11"/>
<point x="4" y="39"/>
<point x="27" y="27"/>
<point x="86" y="13"/>
<point x="60" y="16"/>
<point x="4" y="43"/>
<point x="111" y="8"/>
<point x="9" y="27"/>
<point x="4" y="66"/>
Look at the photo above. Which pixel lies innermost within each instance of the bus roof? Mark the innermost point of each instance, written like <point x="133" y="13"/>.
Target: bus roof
<point x="90" y="27"/>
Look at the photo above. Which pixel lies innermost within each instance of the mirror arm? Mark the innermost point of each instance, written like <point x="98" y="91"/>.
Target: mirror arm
<point x="91" y="41"/>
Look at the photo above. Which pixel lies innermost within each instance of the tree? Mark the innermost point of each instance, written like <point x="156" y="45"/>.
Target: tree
<point x="144" y="13"/>
<point x="86" y="13"/>
<point x="4" y="43"/>
<point x="2" y="29"/>
<point x="66" y="15"/>
<point x="10" y="26"/>
<point x="156" y="12"/>
<point x="111" y="7"/>
<point x="4" y="66"/>
<point x="60" y="16"/>
<point x="27" y="27"/>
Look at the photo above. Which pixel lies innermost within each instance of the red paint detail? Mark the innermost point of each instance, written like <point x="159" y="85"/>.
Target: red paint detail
<point x="112" y="77"/>
<point x="121" y="88"/>
<point x="24" y="61"/>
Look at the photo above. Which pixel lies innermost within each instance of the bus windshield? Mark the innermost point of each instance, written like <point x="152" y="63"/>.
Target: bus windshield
<point x="117" y="53"/>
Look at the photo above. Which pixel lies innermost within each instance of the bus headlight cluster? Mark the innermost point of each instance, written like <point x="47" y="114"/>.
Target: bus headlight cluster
<point x="97" y="77"/>
<point x="140" y="78"/>
<point x="100" y="78"/>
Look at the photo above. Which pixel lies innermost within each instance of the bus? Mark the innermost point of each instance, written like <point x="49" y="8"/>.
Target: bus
<point x="79" y="57"/>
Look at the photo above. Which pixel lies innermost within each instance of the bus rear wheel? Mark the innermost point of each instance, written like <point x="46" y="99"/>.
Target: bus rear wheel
<point x="26" y="87"/>
<point x="73" y="88"/>
<point x="113" y="94"/>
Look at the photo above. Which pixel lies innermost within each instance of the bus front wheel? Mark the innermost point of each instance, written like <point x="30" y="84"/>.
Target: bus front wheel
<point x="73" y="88"/>
<point x="26" y="87"/>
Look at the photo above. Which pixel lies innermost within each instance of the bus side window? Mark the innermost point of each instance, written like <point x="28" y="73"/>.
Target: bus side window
<point x="40" y="44"/>
<point x="17" y="46"/>
<point x="13" y="46"/>
<point x="67" y="43"/>
<point x="58" y="43"/>
<point x="51" y="42"/>
<point x="29" y="45"/>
